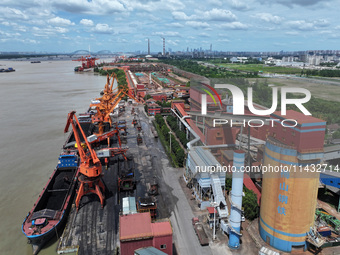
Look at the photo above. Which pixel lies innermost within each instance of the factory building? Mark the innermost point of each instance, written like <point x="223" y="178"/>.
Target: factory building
<point x="289" y="187"/>
<point x="208" y="184"/>
<point x="143" y="234"/>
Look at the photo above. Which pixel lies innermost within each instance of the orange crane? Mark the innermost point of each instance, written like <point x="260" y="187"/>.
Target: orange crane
<point x="90" y="167"/>
<point x="87" y="62"/>
<point x="108" y="102"/>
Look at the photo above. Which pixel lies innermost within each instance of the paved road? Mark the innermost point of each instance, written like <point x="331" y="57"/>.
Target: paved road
<point x="172" y="197"/>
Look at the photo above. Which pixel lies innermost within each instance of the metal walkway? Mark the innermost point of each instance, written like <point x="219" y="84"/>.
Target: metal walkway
<point x="218" y="196"/>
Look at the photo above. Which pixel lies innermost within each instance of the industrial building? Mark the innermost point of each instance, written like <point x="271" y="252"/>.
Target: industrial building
<point x="207" y="184"/>
<point x="137" y="231"/>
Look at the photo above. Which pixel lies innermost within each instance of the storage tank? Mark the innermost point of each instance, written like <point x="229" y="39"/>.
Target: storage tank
<point x="289" y="195"/>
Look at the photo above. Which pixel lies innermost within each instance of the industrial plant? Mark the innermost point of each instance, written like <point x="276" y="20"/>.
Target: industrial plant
<point x="167" y="177"/>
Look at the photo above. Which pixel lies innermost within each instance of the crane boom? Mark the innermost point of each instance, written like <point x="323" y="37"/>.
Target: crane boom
<point x="82" y="154"/>
<point x="90" y="168"/>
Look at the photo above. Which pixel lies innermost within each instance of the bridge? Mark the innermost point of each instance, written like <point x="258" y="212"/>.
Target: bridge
<point x="87" y="52"/>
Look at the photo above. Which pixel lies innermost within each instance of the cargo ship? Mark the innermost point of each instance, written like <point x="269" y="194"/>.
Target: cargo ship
<point x="49" y="213"/>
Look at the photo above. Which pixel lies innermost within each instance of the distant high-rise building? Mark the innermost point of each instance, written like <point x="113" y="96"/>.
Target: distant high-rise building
<point x="148" y="46"/>
<point x="163" y="46"/>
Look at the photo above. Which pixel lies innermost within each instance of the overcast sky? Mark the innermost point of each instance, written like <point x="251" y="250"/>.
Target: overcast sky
<point x="125" y="25"/>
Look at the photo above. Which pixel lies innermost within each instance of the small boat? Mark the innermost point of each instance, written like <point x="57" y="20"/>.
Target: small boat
<point x="48" y="215"/>
<point x="8" y="70"/>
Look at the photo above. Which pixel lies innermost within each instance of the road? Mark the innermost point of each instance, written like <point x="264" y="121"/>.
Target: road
<point x="172" y="201"/>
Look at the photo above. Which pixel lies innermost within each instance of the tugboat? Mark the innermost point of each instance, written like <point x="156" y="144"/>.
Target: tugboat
<point x="49" y="213"/>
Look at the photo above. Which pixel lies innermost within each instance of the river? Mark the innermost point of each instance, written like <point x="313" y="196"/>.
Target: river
<point x="35" y="101"/>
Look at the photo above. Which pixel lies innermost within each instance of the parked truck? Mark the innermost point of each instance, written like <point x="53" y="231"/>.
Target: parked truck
<point x="200" y="232"/>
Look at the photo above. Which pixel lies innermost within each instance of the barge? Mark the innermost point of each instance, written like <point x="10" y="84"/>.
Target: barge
<point x="49" y="213"/>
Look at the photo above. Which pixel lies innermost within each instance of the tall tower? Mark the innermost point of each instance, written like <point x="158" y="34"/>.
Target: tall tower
<point x="289" y="186"/>
<point x="236" y="201"/>
<point x="163" y="46"/>
<point x="148" y="46"/>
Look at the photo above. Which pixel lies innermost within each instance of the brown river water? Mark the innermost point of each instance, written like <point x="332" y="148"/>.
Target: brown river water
<point x="35" y="101"/>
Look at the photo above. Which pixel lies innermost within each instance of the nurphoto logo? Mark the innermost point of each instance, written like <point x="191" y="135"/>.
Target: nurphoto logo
<point x="238" y="104"/>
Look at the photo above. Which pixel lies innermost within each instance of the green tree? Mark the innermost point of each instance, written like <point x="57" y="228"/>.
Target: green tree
<point x="228" y="181"/>
<point x="180" y="156"/>
<point x="336" y="134"/>
<point x="249" y="203"/>
<point x="147" y="97"/>
<point x="165" y="131"/>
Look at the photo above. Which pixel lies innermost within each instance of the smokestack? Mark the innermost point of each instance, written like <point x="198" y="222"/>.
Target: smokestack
<point x="236" y="201"/>
<point x="163" y="46"/>
<point x="148" y="46"/>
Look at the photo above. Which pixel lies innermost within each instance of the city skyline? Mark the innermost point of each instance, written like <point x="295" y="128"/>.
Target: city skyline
<point x="125" y="26"/>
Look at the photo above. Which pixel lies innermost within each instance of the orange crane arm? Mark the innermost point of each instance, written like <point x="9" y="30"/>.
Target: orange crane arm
<point x="114" y="77"/>
<point x="82" y="154"/>
<point x="114" y="104"/>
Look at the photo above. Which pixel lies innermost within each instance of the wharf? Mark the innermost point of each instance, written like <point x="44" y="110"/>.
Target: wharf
<point x="94" y="230"/>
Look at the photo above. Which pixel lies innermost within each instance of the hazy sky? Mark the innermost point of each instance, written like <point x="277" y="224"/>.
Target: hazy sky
<point x="125" y="25"/>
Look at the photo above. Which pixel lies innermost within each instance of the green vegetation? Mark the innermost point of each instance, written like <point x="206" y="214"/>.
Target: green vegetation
<point x="147" y="97"/>
<point x="336" y="134"/>
<point x="165" y="145"/>
<point x="262" y="94"/>
<point x="172" y="121"/>
<point x="328" y="64"/>
<point x="228" y="181"/>
<point x="218" y="61"/>
<point x="177" y="154"/>
<point x="14" y="56"/>
<point x="248" y="67"/>
<point x="122" y="83"/>
<point x="209" y="72"/>
<point x="322" y="73"/>
<point x="324" y="109"/>
<point x="164" y="104"/>
<point x="249" y="203"/>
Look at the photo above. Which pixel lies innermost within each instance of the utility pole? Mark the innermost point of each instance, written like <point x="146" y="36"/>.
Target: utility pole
<point x="170" y="133"/>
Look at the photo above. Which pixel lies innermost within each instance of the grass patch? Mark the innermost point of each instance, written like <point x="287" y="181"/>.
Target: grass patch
<point x="262" y="68"/>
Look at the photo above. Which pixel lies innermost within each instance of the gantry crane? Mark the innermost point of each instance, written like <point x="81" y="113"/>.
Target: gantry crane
<point x="87" y="62"/>
<point x="108" y="102"/>
<point x="90" y="168"/>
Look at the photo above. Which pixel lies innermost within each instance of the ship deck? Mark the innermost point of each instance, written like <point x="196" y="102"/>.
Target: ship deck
<point x="96" y="231"/>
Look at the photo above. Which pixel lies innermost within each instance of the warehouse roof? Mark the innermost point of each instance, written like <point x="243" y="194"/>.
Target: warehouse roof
<point x="141" y="229"/>
<point x="299" y="117"/>
<point x="139" y="226"/>
<point x="161" y="228"/>
<point x="149" y="251"/>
